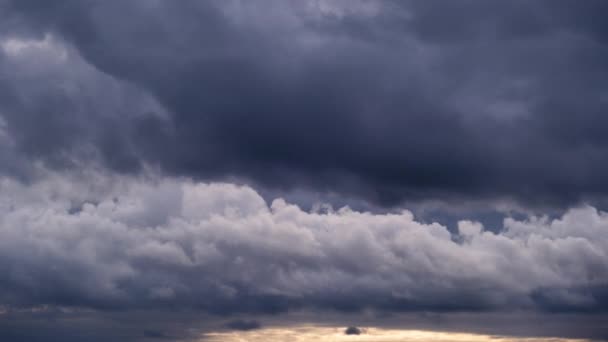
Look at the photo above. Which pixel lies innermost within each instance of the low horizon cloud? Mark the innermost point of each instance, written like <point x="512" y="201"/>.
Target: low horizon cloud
<point x="219" y="247"/>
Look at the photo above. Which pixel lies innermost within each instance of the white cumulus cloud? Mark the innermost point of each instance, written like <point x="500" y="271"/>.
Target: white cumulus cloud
<point x="96" y="241"/>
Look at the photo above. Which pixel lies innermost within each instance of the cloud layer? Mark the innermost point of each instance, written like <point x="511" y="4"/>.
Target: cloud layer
<point x="220" y="248"/>
<point x="386" y="100"/>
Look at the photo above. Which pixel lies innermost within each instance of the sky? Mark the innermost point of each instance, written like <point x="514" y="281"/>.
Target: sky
<point x="231" y="170"/>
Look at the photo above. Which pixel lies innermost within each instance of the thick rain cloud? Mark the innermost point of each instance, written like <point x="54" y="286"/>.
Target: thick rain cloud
<point x="385" y="101"/>
<point x="222" y="249"/>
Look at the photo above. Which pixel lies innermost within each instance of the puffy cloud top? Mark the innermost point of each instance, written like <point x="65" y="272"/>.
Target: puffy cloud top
<point x="220" y="248"/>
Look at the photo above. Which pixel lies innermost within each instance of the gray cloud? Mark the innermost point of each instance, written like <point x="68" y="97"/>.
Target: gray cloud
<point x="221" y="249"/>
<point x="57" y="109"/>
<point x="384" y="101"/>
<point x="146" y="148"/>
<point x="352" y="331"/>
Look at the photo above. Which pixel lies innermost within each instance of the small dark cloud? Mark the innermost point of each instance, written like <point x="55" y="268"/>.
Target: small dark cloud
<point x="155" y="334"/>
<point x="243" y="325"/>
<point x="352" y="331"/>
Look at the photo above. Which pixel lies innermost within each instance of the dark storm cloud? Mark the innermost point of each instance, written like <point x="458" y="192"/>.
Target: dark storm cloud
<point x="385" y="100"/>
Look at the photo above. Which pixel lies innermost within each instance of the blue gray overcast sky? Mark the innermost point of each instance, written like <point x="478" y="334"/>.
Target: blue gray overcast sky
<point x="231" y="159"/>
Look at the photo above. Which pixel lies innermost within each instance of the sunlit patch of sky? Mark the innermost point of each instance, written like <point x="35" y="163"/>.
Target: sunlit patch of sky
<point x="337" y="334"/>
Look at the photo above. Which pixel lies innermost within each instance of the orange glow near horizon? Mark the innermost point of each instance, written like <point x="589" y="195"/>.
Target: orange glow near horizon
<point x="334" y="334"/>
